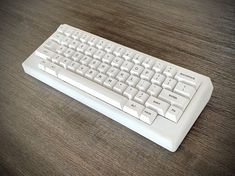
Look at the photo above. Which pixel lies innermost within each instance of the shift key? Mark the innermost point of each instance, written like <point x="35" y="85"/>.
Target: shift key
<point x="157" y="105"/>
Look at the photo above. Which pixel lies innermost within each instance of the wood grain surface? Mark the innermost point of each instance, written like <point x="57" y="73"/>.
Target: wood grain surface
<point x="43" y="132"/>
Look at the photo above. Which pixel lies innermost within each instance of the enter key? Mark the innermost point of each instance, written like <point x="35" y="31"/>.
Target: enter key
<point x="174" y="99"/>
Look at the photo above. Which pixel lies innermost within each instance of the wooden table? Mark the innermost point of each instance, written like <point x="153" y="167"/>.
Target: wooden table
<point x="43" y="132"/>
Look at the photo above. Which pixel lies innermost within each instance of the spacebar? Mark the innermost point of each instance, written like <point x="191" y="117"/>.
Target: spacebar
<point x="93" y="88"/>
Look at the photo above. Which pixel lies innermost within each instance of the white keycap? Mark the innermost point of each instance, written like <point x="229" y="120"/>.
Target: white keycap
<point x="108" y="58"/>
<point x="174" y="99"/>
<point x="58" y="37"/>
<point x="94" y="63"/>
<point x="174" y="113"/>
<point x="85" y="60"/>
<point x="51" y="45"/>
<point x="185" y="90"/>
<point x="158" y="79"/>
<point x="76" y="34"/>
<point x="148" y="63"/>
<point x="84" y="38"/>
<point x="112" y="71"/>
<point x="101" y="44"/>
<point x="137" y="70"/>
<point x="93" y="89"/>
<point x="143" y="85"/>
<point x="103" y="67"/>
<point x="138" y="58"/>
<point x="154" y="90"/>
<point x="118" y="51"/>
<point x="64" y="62"/>
<point x="62" y="28"/>
<point x="61" y="49"/>
<point x="133" y="108"/>
<point x="117" y="62"/>
<point x="110" y="82"/>
<point x="132" y="80"/>
<point x="100" y="78"/>
<point x="82" y="69"/>
<point x="159" y="67"/>
<point x="90" y="51"/>
<point x="122" y="76"/>
<point x="42" y="64"/>
<point x="92" y="40"/>
<point x="188" y="77"/>
<point x="91" y="73"/>
<point x="52" y="69"/>
<point x="56" y="58"/>
<point x="66" y="41"/>
<point x="69" y="31"/>
<point x="169" y="83"/>
<point x="128" y="55"/>
<point x="120" y="87"/>
<point x="69" y="52"/>
<point x="148" y="116"/>
<point x="82" y="47"/>
<point x="74" y="44"/>
<point x="157" y="105"/>
<point x="141" y="97"/>
<point x="147" y="74"/>
<point x="109" y="48"/>
<point x="44" y="53"/>
<point x="99" y="54"/>
<point x="127" y="66"/>
<point x="73" y="65"/>
<point x="77" y="56"/>
<point x="170" y="71"/>
<point x="130" y="92"/>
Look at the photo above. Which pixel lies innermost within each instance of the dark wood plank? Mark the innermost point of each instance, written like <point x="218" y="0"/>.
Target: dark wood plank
<point x="43" y="132"/>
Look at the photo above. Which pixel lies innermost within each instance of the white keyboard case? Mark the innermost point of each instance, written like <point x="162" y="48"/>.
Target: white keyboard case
<point x="163" y="131"/>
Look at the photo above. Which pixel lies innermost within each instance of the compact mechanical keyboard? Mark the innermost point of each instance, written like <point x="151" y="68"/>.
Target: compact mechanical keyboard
<point x="156" y="99"/>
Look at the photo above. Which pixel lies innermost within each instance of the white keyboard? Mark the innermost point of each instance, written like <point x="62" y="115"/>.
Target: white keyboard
<point x="156" y="99"/>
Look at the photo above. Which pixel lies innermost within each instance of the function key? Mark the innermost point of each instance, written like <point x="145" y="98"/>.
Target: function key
<point x="173" y="114"/>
